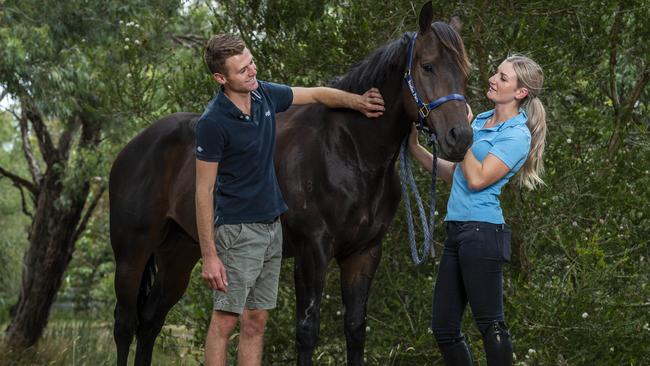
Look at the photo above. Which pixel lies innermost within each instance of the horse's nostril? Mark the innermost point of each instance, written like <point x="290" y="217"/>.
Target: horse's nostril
<point x="458" y="137"/>
<point x="452" y="136"/>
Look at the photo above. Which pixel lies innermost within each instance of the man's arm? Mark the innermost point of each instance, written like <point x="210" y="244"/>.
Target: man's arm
<point x="371" y="103"/>
<point x="214" y="273"/>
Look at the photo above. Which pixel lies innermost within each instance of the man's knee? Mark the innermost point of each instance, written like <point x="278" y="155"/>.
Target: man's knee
<point x="253" y="322"/>
<point x="222" y="323"/>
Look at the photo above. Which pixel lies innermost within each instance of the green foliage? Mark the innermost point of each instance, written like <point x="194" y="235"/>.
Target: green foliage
<point x="12" y="221"/>
<point x="88" y="282"/>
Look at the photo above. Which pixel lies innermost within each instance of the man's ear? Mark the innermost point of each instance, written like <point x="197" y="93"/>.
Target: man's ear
<point x="219" y="78"/>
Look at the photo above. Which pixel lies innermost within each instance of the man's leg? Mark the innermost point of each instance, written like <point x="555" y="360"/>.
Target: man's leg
<point x="251" y="339"/>
<point x="216" y="341"/>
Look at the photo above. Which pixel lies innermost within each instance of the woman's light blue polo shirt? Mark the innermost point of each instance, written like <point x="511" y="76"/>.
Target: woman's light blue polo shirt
<point x="510" y="142"/>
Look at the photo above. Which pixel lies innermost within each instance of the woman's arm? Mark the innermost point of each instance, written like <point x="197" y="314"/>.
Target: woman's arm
<point x="445" y="169"/>
<point x="480" y="175"/>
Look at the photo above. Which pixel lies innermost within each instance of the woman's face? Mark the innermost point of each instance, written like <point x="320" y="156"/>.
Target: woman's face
<point x="503" y="85"/>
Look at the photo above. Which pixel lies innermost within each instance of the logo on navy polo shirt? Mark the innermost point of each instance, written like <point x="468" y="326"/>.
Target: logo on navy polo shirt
<point x="268" y="113"/>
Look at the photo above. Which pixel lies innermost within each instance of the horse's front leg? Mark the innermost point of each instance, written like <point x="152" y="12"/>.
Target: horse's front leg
<point x="357" y="271"/>
<point x="310" y="266"/>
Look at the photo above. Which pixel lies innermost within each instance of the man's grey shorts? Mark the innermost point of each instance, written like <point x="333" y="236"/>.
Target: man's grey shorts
<point x="252" y="254"/>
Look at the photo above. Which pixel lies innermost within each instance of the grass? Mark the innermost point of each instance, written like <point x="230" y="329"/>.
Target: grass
<point x="85" y="341"/>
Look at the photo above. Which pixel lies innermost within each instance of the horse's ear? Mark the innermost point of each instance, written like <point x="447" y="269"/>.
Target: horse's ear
<point x="456" y="24"/>
<point x="426" y="16"/>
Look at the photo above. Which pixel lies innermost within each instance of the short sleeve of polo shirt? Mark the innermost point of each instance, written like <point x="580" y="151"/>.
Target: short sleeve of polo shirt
<point x="281" y="95"/>
<point x="512" y="145"/>
<point x="211" y="139"/>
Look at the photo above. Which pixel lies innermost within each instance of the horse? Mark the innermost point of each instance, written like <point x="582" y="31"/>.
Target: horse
<point x="336" y="170"/>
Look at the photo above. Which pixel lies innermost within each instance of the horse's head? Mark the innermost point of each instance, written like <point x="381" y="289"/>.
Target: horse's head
<point x="438" y="74"/>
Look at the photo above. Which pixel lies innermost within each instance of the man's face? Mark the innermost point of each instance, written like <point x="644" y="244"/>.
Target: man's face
<point x="241" y="73"/>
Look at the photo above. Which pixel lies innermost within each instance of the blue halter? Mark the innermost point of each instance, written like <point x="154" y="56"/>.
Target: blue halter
<point x="423" y="109"/>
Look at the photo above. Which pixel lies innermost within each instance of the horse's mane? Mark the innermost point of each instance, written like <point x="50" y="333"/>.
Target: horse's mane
<point x="374" y="69"/>
<point x="451" y="40"/>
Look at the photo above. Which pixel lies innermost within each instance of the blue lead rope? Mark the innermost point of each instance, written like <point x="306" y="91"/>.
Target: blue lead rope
<point x="407" y="180"/>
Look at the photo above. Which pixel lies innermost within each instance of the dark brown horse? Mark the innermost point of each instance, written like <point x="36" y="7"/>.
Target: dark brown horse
<point x="337" y="172"/>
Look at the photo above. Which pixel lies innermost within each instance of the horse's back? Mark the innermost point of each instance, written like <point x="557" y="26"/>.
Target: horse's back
<point x="152" y="171"/>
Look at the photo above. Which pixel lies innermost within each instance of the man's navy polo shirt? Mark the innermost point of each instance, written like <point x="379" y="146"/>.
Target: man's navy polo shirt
<point x="510" y="142"/>
<point x="247" y="189"/>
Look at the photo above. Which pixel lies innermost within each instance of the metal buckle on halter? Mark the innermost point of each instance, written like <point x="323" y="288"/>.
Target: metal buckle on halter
<point x="424" y="114"/>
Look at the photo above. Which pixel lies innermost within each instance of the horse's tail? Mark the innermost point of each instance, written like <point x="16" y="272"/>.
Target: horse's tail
<point x="146" y="283"/>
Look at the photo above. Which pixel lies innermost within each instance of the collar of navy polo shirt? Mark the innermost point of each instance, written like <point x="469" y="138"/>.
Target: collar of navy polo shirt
<point x="520" y="119"/>
<point x="226" y="105"/>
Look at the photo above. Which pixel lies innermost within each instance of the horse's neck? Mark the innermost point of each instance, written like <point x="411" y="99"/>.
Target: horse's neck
<point x="378" y="140"/>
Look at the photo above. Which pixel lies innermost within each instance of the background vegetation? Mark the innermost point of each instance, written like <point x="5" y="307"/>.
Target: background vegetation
<point x="577" y="289"/>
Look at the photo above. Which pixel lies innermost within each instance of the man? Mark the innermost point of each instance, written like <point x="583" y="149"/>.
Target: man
<point x="235" y="140"/>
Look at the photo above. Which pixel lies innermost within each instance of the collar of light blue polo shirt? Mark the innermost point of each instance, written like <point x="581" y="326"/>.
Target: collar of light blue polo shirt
<point x="520" y="119"/>
<point x="226" y="105"/>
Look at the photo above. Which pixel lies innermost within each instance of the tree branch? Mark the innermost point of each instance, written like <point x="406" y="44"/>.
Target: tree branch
<point x="89" y="211"/>
<point x="32" y="163"/>
<point x="66" y="137"/>
<point x="613" y="50"/>
<point x="641" y="83"/>
<point x="23" y="203"/>
<point x="19" y="181"/>
<point x="188" y="40"/>
<point x="48" y="151"/>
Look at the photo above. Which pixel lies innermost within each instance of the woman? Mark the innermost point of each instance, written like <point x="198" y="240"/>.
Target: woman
<point x="507" y="139"/>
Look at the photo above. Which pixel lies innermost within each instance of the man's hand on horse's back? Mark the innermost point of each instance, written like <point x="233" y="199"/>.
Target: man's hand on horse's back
<point x="372" y="103"/>
<point x="214" y="274"/>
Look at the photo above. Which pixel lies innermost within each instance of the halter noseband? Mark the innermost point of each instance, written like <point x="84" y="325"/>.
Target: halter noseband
<point x="423" y="109"/>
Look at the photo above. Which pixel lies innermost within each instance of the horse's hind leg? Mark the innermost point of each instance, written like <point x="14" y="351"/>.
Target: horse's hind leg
<point x="310" y="267"/>
<point x="175" y="259"/>
<point x="128" y="273"/>
<point x="357" y="271"/>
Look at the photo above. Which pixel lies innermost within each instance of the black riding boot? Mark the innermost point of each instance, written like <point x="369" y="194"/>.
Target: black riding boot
<point x="498" y="348"/>
<point x="456" y="354"/>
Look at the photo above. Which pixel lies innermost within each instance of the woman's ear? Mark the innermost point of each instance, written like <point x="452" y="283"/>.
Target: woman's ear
<point x="521" y="93"/>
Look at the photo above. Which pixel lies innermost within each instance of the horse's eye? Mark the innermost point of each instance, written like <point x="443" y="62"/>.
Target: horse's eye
<point x="427" y="67"/>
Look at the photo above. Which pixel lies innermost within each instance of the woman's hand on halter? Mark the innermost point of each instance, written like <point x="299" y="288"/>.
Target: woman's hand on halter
<point x="470" y="115"/>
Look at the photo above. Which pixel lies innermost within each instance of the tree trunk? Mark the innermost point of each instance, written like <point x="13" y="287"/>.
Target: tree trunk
<point x="51" y="243"/>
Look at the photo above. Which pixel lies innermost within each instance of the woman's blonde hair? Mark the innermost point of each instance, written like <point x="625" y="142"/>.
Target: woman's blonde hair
<point x="531" y="77"/>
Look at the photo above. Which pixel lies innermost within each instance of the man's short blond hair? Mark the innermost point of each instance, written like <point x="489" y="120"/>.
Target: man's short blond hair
<point x="219" y="48"/>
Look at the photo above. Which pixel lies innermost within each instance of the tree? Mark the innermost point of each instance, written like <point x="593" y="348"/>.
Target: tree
<point x="79" y="78"/>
